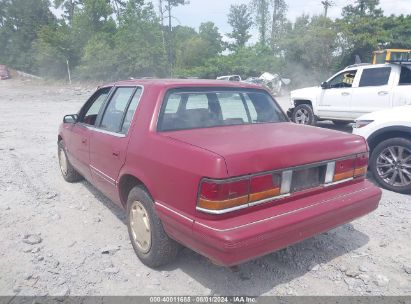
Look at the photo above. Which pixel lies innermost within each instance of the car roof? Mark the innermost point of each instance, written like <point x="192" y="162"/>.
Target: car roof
<point x="175" y="83"/>
<point x="369" y="65"/>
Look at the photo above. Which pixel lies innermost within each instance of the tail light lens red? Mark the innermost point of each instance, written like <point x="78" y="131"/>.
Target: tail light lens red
<point x="361" y="164"/>
<point x="230" y="195"/>
<point x="264" y="186"/>
<point x="350" y="168"/>
<point x="217" y="195"/>
<point x="344" y="169"/>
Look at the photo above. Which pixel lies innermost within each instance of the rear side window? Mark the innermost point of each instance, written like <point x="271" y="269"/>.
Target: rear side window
<point x="202" y="108"/>
<point x="375" y="77"/>
<point x="405" y="78"/>
<point x="128" y="117"/>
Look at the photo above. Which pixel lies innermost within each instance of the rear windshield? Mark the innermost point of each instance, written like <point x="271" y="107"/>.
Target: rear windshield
<point x="203" y="108"/>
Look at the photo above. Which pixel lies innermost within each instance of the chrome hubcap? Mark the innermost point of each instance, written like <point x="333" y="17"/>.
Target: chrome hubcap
<point x="140" y="226"/>
<point x="394" y="166"/>
<point x="302" y="116"/>
<point x="63" y="161"/>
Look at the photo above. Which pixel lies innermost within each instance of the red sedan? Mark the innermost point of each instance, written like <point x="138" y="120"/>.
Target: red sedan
<point x="215" y="166"/>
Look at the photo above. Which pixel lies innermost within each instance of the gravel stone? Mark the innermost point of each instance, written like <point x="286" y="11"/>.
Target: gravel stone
<point x="32" y="239"/>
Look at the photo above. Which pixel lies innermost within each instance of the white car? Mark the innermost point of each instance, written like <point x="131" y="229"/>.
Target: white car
<point x="352" y="92"/>
<point x="388" y="134"/>
<point x="230" y="78"/>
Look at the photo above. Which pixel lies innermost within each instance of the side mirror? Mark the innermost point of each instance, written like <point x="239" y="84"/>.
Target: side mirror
<point x="325" y="85"/>
<point x="71" y="119"/>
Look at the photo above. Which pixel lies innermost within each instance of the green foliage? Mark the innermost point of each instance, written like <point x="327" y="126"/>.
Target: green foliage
<point x="262" y="18"/>
<point x="361" y="30"/>
<point x="310" y="49"/>
<point x="20" y="23"/>
<point x="134" y="51"/>
<point x="240" y="20"/>
<point x="279" y="24"/>
<point x="209" y="33"/>
<point x="52" y="50"/>
<point x="69" y="7"/>
<point x="363" y="8"/>
<point x="118" y="39"/>
<point x="247" y="62"/>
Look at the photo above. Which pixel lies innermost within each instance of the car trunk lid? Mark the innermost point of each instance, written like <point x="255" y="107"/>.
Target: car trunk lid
<point x="256" y="148"/>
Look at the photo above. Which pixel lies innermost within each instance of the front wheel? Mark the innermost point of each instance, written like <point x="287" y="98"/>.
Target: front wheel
<point x="67" y="170"/>
<point x="390" y="164"/>
<point x="150" y="242"/>
<point x="304" y="115"/>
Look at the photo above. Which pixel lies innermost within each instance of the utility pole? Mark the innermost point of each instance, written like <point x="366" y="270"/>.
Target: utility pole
<point x="170" y="39"/>
<point x="326" y="4"/>
<point x="68" y="71"/>
<point x="161" y="11"/>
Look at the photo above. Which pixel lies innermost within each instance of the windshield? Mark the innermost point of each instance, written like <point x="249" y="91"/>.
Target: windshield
<point x="202" y="108"/>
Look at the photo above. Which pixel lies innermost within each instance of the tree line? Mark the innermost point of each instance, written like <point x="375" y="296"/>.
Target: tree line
<point x="118" y="39"/>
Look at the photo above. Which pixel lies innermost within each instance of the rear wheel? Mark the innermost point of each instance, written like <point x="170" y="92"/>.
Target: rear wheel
<point x="391" y="164"/>
<point x="150" y="242"/>
<point x="304" y="114"/>
<point x="67" y="170"/>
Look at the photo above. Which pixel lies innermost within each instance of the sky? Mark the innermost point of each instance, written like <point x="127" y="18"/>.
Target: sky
<point x="199" y="11"/>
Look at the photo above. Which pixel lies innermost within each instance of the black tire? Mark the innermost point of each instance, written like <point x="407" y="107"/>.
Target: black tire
<point x="380" y="150"/>
<point x="162" y="249"/>
<point x="70" y="174"/>
<point x="341" y="123"/>
<point x="308" y="117"/>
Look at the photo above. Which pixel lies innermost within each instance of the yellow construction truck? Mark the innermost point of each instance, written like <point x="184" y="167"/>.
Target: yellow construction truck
<point x="390" y="55"/>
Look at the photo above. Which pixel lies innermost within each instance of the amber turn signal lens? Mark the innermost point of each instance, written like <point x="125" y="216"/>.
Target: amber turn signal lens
<point x="360" y="171"/>
<point x="225" y="204"/>
<point x="343" y="175"/>
<point x="264" y="194"/>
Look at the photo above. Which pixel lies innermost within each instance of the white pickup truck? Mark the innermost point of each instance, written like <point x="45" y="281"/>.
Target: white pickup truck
<point x="352" y="92"/>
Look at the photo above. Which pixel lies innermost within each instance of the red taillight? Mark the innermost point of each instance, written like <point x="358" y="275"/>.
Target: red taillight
<point x="217" y="195"/>
<point x="352" y="167"/>
<point x="264" y="186"/>
<point x="344" y="169"/>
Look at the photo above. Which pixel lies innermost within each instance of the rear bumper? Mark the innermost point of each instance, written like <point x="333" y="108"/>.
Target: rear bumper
<point x="235" y="240"/>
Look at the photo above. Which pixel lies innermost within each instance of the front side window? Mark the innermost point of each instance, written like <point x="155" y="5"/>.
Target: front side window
<point x="89" y="113"/>
<point x="342" y="80"/>
<point x="115" y="110"/>
<point x="375" y="77"/>
<point x="202" y="108"/>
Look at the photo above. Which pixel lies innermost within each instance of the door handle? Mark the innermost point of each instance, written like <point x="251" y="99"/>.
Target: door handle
<point x="84" y="140"/>
<point x="116" y="154"/>
<point x="382" y="93"/>
<point x="345" y="93"/>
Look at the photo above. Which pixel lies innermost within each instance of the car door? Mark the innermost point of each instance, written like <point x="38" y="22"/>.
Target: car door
<point x="109" y="140"/>
<point x="78" y="134"/>
<point x="402" y="91"/>
<point x="335" y="97"/>
<point x="373" y="92"/>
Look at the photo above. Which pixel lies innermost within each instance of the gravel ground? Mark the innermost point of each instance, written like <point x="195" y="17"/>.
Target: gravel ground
<point x="68" y="239"/>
